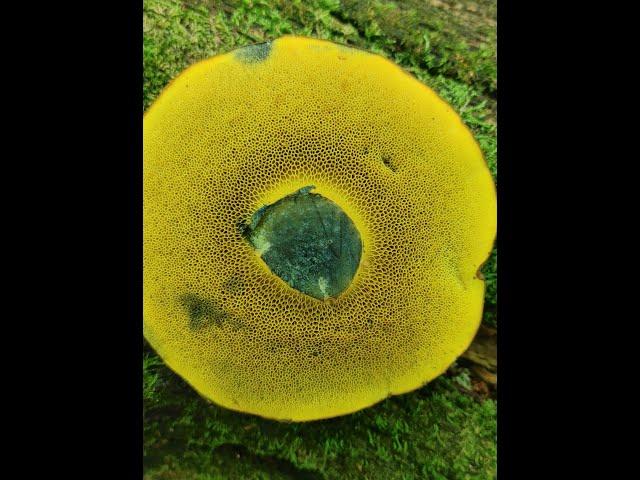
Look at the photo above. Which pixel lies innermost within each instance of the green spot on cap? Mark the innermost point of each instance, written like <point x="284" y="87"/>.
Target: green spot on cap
<point x="254" y="53"/>
<point x="308" y="241"/>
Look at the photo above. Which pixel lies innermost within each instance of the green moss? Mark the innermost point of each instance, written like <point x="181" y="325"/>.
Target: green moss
<point x="455" y="39"/>
<point x="489" y="270"/>
<point x="151" y="363"/>
<point x="437" y="432"/>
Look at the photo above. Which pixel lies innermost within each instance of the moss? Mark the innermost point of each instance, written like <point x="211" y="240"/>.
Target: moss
<point x="455" y="39"/>
<point x="151" y="364"/>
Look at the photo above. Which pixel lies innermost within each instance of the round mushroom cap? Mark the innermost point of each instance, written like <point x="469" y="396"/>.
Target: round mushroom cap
<point x="314" y="223"/>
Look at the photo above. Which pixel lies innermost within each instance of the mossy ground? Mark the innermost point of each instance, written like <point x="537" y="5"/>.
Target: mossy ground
<point x="445" y="430"/>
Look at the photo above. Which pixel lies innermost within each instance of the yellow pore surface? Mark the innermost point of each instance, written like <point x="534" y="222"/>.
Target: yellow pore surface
<point x="232" y="134"/>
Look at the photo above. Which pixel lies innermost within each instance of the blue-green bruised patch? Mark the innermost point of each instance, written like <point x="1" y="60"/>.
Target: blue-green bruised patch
<point x="308" y="241"/>
<point x="204" y="313"/>
<point x="254" y="53"/>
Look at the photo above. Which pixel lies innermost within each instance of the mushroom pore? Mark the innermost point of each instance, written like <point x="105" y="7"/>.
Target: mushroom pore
<point x="314" y="223"/>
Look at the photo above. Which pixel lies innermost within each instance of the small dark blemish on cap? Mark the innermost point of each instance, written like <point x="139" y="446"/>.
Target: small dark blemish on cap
<point x="244" y="227"/>
<point x="387" y="161"/>
<point x="254" y="53"/>
<point x="204" y="313"/>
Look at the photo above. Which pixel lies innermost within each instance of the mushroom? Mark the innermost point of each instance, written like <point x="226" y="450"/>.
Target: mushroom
<point x="315" y="219"/>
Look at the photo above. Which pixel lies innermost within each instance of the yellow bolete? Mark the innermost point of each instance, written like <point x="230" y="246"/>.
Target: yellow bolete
<point x="314" y="223"/>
